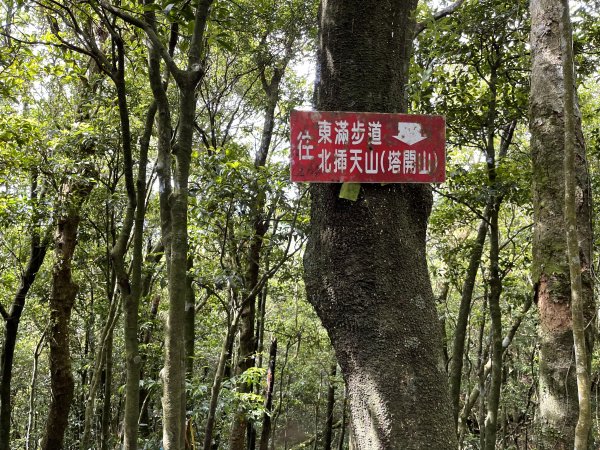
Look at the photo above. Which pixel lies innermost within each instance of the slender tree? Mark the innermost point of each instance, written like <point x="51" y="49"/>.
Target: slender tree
<point x="12" y="317"/>
<point x="582" y="360"/>
<point x="173" y="171"/>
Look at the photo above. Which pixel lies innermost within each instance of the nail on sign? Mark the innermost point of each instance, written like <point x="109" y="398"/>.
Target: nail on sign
<point x="340" y="147"/>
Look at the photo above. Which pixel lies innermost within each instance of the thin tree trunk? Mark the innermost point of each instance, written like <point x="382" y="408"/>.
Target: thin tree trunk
<point x="12" y="318"/>
<point x="491" y="420"/>
<point x="260" y="323"/>
<point x="266" y="426"/>
<point x="328" y="433"/>
<point x="31" y="416"/>
<point x="217" y="382"/>
<point x="582" y="359"/>
<point x="247" y="342"/>
<point x="189" y="344"/>
<point x="483" y="370"/>
<point x="107" y="404"/>
<point x="493" y="401"/>
<point x="557" y="413"/>
<point x="317" y="412"/>
<point x="105" y="341"/>
<point x="144" y="417"/>
<point x="365" y="267"/>
<point x="190" y="320"/>
<point x="462" y="322"/>
<point x="340" y="445"/>
<point x="131" y="302"/>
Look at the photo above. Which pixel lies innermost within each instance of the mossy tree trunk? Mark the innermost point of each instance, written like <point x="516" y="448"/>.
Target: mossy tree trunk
<point x="558" y="403"/>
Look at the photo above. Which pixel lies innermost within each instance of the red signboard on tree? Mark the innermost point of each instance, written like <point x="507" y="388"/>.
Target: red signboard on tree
<point x="340" y="147"/>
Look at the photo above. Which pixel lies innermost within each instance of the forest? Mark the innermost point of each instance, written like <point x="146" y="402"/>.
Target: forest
<point x="165" y="286"/>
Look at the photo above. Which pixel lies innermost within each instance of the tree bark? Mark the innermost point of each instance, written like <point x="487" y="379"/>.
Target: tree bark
<point x="365" y="267"/>
<point x="62" y="298"/>
<point x="558" y="402"/>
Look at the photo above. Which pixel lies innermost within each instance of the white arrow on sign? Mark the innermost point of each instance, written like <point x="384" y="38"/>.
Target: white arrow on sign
<point x="409" y="133"/>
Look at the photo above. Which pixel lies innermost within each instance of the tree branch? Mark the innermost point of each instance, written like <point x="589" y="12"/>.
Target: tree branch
<point x="132" y="20"/>
<point x="421" y="26"/>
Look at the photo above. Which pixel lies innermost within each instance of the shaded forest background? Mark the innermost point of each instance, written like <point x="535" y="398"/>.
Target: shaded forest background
<point x="95" y="135"/>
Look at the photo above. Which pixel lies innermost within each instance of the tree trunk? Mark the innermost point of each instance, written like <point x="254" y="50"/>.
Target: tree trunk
<point x="12" y="318"/>
<point x="495" y="200"/>
<point x="217" y="382"/>
<point x="31" y="416"/>
<point x="62" y="299"/>
<point x="365" y="267"/>
<point x="248" y="343"/>
<point x="558" y="402"/>
<point x="462" y="322"/>
<point x="340" y="445"/>
<point x="131" y="301"/>
<point x="107" y="404"/>
<point x="266" y="427"/>
<point x="491" y="420"/>
<point x="582" y="360"/>
<point x="328" y="433"/>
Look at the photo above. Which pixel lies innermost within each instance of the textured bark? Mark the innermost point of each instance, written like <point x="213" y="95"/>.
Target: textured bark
<point x="62" y="299"/>
<point x="558" y="403"/>
<point x="365" y="267"/>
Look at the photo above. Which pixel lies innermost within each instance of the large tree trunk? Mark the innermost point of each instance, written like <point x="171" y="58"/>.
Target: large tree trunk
<point x="366" y="272"/>
<point x="62" y="300"/>
<point x="558" y="403"/>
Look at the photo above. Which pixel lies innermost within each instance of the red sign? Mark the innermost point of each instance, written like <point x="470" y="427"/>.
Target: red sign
<point x="339" y="147"/>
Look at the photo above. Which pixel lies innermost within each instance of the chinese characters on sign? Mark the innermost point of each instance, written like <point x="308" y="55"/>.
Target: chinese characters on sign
<point x="339" y="147"/>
